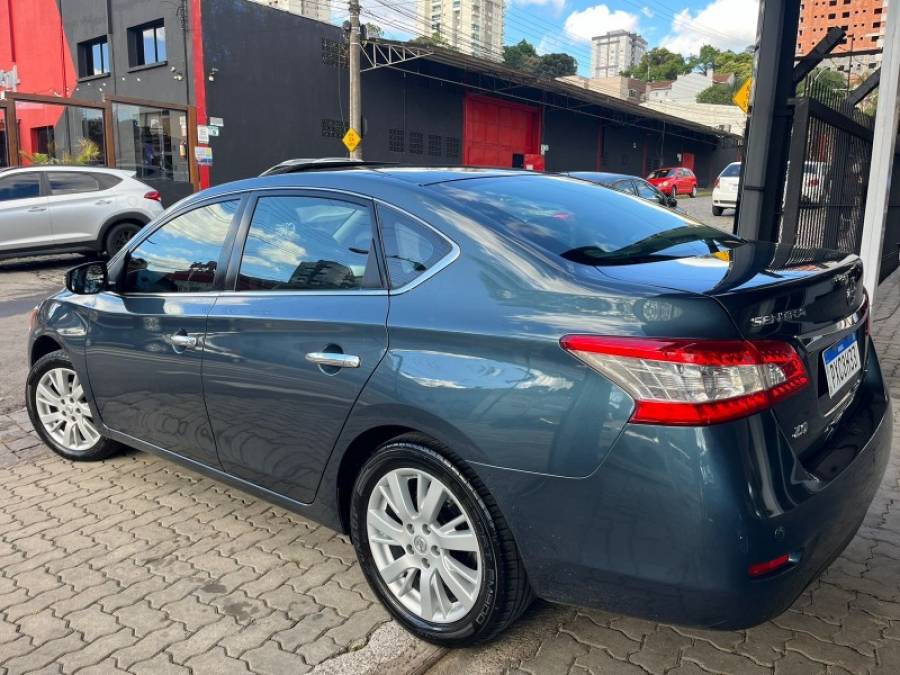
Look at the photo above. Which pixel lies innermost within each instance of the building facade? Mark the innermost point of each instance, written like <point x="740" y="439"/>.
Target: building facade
<point x="685" y="88"/>
<point x="320" y="10"/>
<point x="863" y="21"/>
<point x="625" y="88"/>
<point x="470" y="26"/>
<point x="614" y="52"/>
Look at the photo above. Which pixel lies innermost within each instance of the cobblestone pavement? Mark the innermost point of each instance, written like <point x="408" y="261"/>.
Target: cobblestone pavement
<point x="136" y="565"/>
<point x="701" y="209"/>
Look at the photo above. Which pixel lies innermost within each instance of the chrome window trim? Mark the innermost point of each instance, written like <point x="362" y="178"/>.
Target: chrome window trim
<point x="439" y="266"/>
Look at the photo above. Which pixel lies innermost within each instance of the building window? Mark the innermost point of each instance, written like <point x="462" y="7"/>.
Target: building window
<point x="452" y="147"/>
<point x="332" y="128"/>
<point x="395" y="140"/>
<point x="147" y="44"/>
<point x="416" y="142"/>
<point x="93" y="57"/>
<point x="434" y="145"/>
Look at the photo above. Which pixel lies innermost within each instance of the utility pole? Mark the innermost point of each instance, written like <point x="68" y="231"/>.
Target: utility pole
<point x="355" y="84"/>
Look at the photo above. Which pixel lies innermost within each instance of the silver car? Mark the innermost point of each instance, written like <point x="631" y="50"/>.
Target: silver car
<point x="54" y="209"/>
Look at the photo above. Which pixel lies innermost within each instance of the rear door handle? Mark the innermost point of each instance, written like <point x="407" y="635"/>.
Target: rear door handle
<point x="333" y="359"/>
<point x="37" y="209"/>
<point x="183" y="341"/>
<point x="103" y="202"/>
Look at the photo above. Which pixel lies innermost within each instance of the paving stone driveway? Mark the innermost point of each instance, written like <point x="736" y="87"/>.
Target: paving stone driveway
<point x="137" y="565"/>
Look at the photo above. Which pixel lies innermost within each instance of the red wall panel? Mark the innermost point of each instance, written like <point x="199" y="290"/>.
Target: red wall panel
<point x="495" y="130"/>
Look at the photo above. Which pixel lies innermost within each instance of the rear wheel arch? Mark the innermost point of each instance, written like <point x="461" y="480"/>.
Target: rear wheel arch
<point x="135" y="217"/>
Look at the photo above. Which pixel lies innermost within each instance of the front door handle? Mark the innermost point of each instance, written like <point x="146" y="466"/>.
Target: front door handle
<point x="183" y="341"/>
<point x="333" y="359"/>
<point x="103" y="202"/>
<point x="37" y="209"/>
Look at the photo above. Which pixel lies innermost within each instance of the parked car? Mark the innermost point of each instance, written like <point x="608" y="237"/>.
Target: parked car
<point x="630" y="185"/>
<point x="501" y="384"/>
<point x="725" y="189"/>
<point x="675" y="181"/>
<point x="55" y="209"/>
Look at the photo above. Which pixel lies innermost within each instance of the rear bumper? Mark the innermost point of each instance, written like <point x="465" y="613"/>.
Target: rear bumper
<point x="666" y="528"/>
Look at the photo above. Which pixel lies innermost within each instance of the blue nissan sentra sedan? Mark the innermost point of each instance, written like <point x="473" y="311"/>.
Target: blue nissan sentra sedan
<point x="501" y="384"/>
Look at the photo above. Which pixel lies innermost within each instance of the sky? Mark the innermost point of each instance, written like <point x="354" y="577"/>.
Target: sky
<point x="568" y="25"/>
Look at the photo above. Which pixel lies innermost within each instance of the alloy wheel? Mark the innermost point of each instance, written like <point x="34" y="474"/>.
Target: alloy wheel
<point x="424" y="545"/>
<point x="64" y="411"/>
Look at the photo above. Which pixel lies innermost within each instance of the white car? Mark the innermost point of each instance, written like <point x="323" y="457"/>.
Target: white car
<point x="55" y="209"/>
<point x="725" y="189"/>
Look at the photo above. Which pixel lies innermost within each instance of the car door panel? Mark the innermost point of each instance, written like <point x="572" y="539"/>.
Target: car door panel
<point x="78" y="207"/>
<point x="145" y="347"/>
<point x="24" y="213"/>
<point x="276" y="413"/>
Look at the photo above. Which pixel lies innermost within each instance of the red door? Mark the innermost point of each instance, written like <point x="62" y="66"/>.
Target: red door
<point x="496" y="130"/>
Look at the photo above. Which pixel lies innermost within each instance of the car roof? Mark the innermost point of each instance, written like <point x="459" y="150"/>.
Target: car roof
<point x="69" y="168"/>
<point x="602" y="175"/>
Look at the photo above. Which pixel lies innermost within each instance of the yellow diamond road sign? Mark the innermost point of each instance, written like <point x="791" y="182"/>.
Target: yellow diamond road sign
<point x="352" y="139"/>
<point x="742" y="96"/>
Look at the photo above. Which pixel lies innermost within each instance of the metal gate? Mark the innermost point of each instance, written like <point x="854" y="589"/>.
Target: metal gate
<point x="828" y="168"/>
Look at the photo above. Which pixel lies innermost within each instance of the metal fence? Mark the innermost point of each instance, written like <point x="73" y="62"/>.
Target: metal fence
<point x="829" y="157"/>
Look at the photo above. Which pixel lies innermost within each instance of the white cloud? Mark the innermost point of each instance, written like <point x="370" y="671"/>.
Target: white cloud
<point x="557" y="5"/>
<point x="598" y="20"/>
<point x="646" y="11"/>
<point x="724" y="24"/>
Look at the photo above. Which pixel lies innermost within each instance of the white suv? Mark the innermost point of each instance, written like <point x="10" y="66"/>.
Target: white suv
<point x="54" y="209"/>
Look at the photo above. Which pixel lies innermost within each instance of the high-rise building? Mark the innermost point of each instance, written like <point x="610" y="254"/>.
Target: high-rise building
<point x="470" y="26"/>
<point x="863" y="21"/>
<point x="319" y="10"/>
<point x="616" y="51"/>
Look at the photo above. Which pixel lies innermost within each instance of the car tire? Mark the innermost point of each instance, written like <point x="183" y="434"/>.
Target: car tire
<point x="119" y="235"/>
<point x="694" y="192"/>
<point x="471" y="612"/>
<point x="675" y="191"/>
<point x="718" y="210"/>
<point x="53" y="394"/>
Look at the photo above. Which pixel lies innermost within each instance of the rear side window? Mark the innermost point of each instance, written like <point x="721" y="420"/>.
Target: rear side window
<point x="107" y="180"/>
<point x="65" y="183"/>
<point x="20" y="186"/>
<point x="410" y="248"/>
<point x="731" y="171"/>
<point x="298" y="243"/>
<point x="182" y="256"/>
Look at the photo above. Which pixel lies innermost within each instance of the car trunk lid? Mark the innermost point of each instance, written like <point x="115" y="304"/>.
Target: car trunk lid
<point x="813" y="299"/>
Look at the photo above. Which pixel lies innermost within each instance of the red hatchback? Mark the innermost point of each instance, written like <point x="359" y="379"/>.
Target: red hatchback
<point x="674" y="181"/>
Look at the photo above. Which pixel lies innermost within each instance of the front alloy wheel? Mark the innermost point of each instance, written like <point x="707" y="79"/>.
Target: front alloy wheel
<point x="433" y="544"/>
<point x="60" y="412"/>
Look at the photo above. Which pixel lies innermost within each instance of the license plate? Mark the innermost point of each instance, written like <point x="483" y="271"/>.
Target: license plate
<point x="841" y="363"/>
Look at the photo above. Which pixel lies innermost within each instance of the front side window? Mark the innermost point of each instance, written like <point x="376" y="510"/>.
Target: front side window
<point x="181" y="256"/>
<point x="298" y="243"/>
<point x="624" y="186"/>
<point x="147" y="44"/>
<point x="647" y="191"/>
<point x="410" y="248"/>
<point x="66" y="183"/>
<point x="20" y="186"/>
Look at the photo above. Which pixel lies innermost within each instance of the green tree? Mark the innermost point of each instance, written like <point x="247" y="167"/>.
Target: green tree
<point x="521" y="56"/>
<point x="433" y="40"/>
<point x="556" y="65"/>
<point x="659" y="64"/>
<point x="374" y="31"/>
<point x="720" y="94"/>
<point x="822" y="81"/>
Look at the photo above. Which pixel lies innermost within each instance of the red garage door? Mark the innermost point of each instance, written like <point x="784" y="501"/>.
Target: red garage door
<point x="496" y="130"/>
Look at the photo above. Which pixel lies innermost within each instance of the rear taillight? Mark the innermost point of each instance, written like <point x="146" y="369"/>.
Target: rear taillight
<point x="769" y="566"/>
<point x="693" y="382"/>
<point x="153" y="195"/>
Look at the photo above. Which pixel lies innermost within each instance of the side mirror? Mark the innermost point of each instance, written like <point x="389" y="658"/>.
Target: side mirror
<point x="87" y="279"/>
<point x="671" y="201"/>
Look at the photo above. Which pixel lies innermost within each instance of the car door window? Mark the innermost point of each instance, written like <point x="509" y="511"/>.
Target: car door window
<point x="646" y="191"/>
<point x="624" y="186"/>
<point x="182" y="255"/>
<point x="66" y="183"/>
<point x="301" y="243"/>
<point x="20" y="186"/>
<point x="410" y="247"/>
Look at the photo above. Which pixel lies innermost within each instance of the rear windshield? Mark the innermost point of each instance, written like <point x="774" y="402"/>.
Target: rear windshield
<point x="582" y="222"/>
<point x="731" y="171"/>
<point x="661" y="173"/>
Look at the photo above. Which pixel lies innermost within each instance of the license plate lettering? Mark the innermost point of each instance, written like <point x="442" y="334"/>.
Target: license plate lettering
<point x="842" y="363"/>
